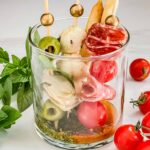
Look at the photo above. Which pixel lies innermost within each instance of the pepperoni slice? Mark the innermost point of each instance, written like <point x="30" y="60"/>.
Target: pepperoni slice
<point x="103" y="39"/>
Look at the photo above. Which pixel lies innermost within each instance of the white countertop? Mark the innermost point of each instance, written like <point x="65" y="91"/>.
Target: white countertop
<point x="17" y="15"/>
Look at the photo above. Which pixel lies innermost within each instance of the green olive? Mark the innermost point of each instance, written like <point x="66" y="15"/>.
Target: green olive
<point x="51" y="112"/>
<point x="50" y="44"/>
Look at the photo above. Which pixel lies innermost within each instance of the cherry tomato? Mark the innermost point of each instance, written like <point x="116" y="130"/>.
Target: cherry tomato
<point x="92" y="114"/>
<point x="145" y="145"/>
<point x="103" y="71"/>
<point x="139" y="69"/>
<point x="146" y="123"/>
<point x="143" y="102"/>
<point x="127" y="138"/>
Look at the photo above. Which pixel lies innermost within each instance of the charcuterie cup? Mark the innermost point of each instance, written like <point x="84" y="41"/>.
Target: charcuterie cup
<point x="78" y="101"/>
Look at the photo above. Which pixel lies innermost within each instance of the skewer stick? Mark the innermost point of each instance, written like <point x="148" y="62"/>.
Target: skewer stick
<point x="46" y="3"/>
<point x="75" y="19"/>
<point x="77" y="1"/>
<point x="46" y="6"/>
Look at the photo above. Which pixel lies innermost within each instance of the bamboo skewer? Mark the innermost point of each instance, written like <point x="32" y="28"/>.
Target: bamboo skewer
<point x="46" y="6"/>
<point x="75" y="19"/>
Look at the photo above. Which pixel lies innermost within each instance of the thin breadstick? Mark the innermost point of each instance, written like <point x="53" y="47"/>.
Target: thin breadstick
<point x="109" y="9"/>
<point x="95" y="15"/>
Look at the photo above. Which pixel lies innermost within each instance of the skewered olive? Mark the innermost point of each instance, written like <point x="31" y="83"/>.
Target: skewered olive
<point x="47" y="19"/>
<point x="112" y="20"/>
<point x="76" y="10"/>
<point x="51" y="112"/>
<point x="50" y="45"/>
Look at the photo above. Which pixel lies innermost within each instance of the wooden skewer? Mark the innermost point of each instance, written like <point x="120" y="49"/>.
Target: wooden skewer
<point x="46" y="6"/>
<point x="77" y="1"/>
<point x="75" y="19"/>
<point x="46" y="3"/>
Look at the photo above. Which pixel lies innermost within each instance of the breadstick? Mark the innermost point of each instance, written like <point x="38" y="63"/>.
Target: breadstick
<point x="109" y="9"/>
<point x="95" y="15"/>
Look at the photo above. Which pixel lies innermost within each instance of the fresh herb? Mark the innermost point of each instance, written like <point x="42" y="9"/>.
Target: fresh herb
<point x="11" y="115"/>
<point x="24" y="97"/>
<point x="15" y="78"/>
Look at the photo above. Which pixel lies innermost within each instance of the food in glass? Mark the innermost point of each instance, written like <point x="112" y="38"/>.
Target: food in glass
<point x="78" y="100"/>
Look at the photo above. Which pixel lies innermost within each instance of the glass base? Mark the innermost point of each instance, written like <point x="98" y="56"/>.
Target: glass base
<point x="68" y="146"/>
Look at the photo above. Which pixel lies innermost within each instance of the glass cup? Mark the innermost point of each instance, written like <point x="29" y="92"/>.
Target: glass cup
<point x="78" y="101"/>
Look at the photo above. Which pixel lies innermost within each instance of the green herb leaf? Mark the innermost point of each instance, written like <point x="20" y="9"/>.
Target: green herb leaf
<point x="3" y="115"/>
<point x="1" y="91"/>
<point x="24" y="98"/>
<point x="28" y="47"/>
<point x="24" y="62"/>
<point x="12" y="116"/>
<point x="8" y="70"/>
<point x="37" y="38"/>
<point x="16" y="60"/>
<point x="18" y="77"/>
<point x="4" y="58"/>
<point x="7" y="92"/>
<point x="15" y="87"/>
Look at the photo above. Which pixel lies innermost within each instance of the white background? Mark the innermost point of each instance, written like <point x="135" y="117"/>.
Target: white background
<point x="17" y="15"/>
<point x="15" y="18"/>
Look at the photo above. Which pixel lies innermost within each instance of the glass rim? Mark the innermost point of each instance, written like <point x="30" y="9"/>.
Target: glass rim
<point x="108" y="55"/>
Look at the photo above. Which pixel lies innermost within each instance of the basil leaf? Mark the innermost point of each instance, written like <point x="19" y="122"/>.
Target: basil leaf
<point x="7" y="92"/>
<point x="12" y="116"/>
<point x="9" y="69"/>
<point x="37" y="38"/>
<point x="3" y="115"/>
<point x="24" y="98"/>
<point x="16" y="60"/>
<point x="4" y="58"/>
<point x="28" y="47"/>
<point x="15" y="88"/>
<point x="18" y="77"/>
<point x="24" y="62"/>
<point x="1" y="91"/>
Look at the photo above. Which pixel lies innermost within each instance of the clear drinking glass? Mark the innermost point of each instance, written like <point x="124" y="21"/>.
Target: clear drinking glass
<point x="68" y="99"/>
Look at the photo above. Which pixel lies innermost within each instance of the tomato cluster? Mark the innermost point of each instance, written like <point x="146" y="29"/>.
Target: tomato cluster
<point x="129" y="137"/>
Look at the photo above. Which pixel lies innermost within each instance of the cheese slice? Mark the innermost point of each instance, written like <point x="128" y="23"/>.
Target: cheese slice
<point x="109" y="9"/>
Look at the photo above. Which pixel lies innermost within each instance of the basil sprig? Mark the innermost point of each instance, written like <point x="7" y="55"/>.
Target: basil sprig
<point x="15" y="78"/>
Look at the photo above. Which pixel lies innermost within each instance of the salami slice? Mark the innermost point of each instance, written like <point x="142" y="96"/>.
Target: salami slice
<point x="89" y="89"/>
<point x="103" y="39"/>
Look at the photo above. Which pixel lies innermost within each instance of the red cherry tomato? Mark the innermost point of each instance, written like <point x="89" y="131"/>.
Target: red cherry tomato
<point x="146" y="123"/>
<point x="139" y="69"/>
<point x="127" y="138"/>
<point x="103" y="71"/>
<point x="145" y="145"/>
<point x="143" y="102"/>
<point x="92" y="114"/>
